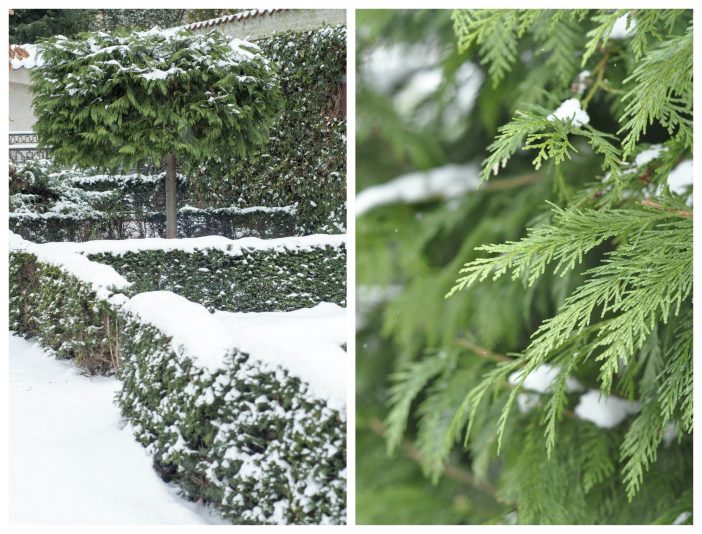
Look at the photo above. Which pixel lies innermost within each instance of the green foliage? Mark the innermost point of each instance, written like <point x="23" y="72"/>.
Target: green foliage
<point x="26" y="26"/>
<point x="60" y="312"/>
<point x="304" y="162"/>
<point x="254" y="281"/>
<point x="590" y="280"/>
<point x="129" y="98"/>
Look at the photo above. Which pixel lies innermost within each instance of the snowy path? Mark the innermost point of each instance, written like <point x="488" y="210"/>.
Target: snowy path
<point x="70" y="462"/>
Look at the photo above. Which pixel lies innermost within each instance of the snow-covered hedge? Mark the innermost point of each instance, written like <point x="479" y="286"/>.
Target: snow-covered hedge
<point x="246" y="279"/>
<point x="48" y="203"/>
<point x="253" y="425"/>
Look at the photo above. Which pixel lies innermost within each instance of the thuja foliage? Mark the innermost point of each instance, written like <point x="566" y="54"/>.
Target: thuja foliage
<point x="574" y="258"/>
<point x="253" y="281"/>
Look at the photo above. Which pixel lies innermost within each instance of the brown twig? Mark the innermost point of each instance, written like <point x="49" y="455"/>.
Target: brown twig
<point x="481" y="351"/>
<point x="652" y="204"/>
<point x="517" y="181"/>
<point x="451" y="471"/>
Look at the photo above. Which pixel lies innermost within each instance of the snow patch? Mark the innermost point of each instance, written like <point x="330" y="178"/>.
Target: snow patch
<point x="29" y="62"/>
<point x="605" y="411"/>
<point x="441" y="182"/>
<point x="542" y="379"/>
<point x="680" y="178"/>
<point x="102" y="278"/>
<point x="622" y="28"/>
<point x="648" y="155"/>
<point x="307" y="342"/>
<point x="570" y="110"/>
<point x="71" y="458"/>
<point x="682" y="518"/>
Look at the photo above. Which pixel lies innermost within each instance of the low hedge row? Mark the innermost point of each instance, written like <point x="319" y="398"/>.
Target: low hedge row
<point x="247" y="438"/>
<point x="255" y="280"/>
<point x="231" y="223"/>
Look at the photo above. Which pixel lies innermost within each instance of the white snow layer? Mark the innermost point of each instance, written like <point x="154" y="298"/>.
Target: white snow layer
<point x="71" y="460"/>
<point x="441" y="182"/>
<point x="570" y="110"/>
<point x="542" y="378"/>
<point x="604" y="410"/>
<point x="648" y="155"/>
<point x="681" y="177"/>
<point x="233" y="247"/>
<point x="682" y="518"/>
<point x="620" y="29"/>
<point x="306" y="342"/>
<point x="102" y="278"/>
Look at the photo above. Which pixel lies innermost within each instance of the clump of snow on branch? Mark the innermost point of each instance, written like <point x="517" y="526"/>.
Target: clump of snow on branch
<point x="570" y="110"/>
<point x="542" y="378"/>
<point x="605" y="411"/>
<point x="624" y="27"/>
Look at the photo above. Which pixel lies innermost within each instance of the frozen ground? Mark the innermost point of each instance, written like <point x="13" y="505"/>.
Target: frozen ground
<point x="71" y="461"/>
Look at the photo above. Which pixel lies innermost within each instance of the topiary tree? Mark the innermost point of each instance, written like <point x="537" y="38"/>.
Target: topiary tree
<point x="124" y="100"/>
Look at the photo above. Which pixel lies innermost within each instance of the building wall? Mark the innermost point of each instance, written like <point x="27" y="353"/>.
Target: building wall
<point x="288" y="20"/>
<point x="20" y="97"/>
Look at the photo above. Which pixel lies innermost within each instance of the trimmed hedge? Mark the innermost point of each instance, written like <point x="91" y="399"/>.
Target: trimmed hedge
<point x="227" y="222"/>
<point x="256" y="280"/>
<point x="249" y="439"/>
<point x="62" y="313"/>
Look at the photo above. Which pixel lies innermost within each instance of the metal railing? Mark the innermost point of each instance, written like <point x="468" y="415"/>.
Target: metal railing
<point x="23" y="147"/>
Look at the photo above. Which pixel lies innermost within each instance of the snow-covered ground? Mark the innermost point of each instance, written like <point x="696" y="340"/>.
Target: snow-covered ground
<point x="71" y="459"/>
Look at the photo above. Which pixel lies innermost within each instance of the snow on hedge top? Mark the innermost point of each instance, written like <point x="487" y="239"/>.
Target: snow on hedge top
<point x="104" y="280"/>
<point x="305" y="342"/>
<point x="232" y="247"/>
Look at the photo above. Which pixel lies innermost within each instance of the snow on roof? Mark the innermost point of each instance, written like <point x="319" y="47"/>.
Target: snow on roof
<point x="228" y="19"/>
<point x="443" y="182"/>
<point x="28" y="62"/>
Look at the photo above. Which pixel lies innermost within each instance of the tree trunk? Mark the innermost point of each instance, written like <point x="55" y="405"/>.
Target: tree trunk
<point x="171" y="210"/>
